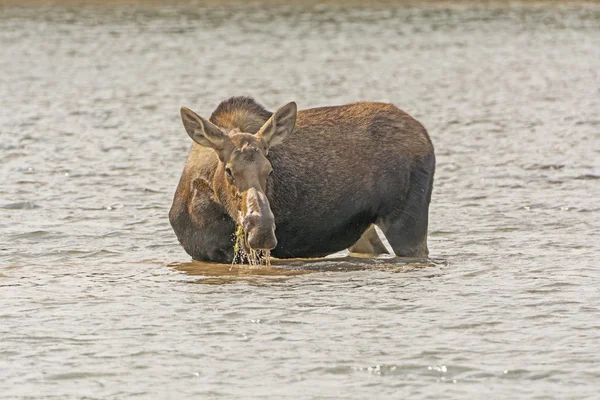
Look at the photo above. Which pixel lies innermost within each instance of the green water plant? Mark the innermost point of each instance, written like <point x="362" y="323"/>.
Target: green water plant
<point x="242" y="255"/>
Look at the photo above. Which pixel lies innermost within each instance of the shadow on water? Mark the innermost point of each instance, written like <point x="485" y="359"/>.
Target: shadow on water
<point x="283" y="269"/>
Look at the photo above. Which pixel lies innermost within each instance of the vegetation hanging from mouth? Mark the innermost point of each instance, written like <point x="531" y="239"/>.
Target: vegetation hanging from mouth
<point x="243" y="255"/>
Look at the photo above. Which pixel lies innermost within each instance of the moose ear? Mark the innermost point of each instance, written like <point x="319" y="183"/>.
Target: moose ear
<point x="203" y="132"/>
<point x="279" y="126"/>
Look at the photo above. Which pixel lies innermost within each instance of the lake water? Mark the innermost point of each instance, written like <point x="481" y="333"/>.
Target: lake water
<point x="99" y="301"/>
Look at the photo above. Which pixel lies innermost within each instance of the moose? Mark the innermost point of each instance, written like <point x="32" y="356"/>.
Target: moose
<point x="305" y="183"/>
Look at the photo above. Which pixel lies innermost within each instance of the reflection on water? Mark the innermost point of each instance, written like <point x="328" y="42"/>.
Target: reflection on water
<point x="214" y="273"/>
<point x="91" y="149"/>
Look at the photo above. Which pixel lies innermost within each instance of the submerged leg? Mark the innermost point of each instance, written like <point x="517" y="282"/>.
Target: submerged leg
<point x="369" y="243"/>
<point x="406" y="229"/>
<point x="407" y="236"/>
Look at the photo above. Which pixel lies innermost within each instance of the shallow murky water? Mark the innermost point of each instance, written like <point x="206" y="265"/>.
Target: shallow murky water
<point x="97" y="299"/>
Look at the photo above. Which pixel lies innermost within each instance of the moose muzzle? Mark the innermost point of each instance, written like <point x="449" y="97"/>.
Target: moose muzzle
<point x="259" y="222"/>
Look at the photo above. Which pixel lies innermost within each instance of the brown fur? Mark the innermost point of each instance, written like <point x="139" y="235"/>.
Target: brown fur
<point x="342" y="169"/>
<point x="241" y="113"/>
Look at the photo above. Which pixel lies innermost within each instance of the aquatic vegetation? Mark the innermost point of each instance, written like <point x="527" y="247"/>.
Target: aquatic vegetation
<point x="243" y="255"/>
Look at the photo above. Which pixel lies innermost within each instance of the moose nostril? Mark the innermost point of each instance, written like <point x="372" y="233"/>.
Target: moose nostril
<point x="261" y="233"/>
<point x="262" y="242"/>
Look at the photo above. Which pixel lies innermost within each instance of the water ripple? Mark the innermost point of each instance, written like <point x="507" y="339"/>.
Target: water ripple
<point x="98" y="299"/>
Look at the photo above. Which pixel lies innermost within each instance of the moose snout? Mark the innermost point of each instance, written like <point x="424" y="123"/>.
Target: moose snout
<point x="260" y="231"/>
<point x="259" y="222"/>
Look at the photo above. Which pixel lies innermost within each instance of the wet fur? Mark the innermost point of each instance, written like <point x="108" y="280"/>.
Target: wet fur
<point x="341" y="170"/>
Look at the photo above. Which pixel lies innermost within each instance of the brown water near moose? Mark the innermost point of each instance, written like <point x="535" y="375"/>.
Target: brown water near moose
<point x="322" y="177"/>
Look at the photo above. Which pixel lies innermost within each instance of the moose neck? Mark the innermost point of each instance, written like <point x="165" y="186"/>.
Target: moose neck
<point x="225" y="193"/>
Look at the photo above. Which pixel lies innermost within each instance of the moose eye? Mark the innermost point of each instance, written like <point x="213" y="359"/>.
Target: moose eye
<point x="228" y="172"/>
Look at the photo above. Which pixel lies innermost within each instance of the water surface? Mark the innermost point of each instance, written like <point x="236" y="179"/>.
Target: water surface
<point x="98" y="300"/>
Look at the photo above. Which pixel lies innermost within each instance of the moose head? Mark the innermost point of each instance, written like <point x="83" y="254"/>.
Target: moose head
<point x="240" y="179"/>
